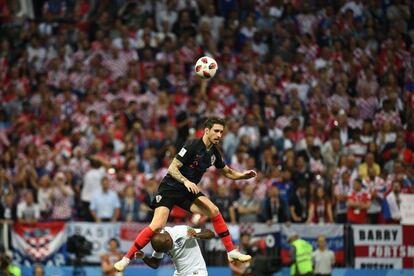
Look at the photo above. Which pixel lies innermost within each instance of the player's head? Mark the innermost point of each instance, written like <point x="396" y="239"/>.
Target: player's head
<point x="162" y="242"/>
<point x="213" y="129"/>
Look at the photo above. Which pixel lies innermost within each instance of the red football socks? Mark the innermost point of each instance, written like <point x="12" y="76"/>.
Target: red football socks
<point x="222" y="231"/>
<point x="141" y="241"/>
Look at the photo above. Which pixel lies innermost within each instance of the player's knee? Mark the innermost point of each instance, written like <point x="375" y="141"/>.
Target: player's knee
<point x="156" y="226"/>
<point x="214" y="211"/>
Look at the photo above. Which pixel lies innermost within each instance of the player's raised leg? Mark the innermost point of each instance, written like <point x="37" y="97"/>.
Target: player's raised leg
<point x="159" y="220"/>
<point x="204" y="206"/>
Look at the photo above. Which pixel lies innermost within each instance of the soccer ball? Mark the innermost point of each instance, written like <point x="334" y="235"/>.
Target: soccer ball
<point x="206" y="67"/>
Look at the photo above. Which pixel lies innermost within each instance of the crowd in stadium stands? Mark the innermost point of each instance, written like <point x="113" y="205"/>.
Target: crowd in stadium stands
<point x="97" y="96"/>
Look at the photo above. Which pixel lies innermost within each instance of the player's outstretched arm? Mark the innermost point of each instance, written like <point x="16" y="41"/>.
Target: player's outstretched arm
<point x="174" y="171"/>
<point x="236" y="175"/>
<point x="152" y="262"/>
<point x="203" y="234"/>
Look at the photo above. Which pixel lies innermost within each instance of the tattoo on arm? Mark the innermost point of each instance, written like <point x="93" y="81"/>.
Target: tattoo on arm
<point x="174" y="171"/>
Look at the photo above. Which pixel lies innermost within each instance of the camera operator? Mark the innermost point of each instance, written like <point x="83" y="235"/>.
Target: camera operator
<point x="110" y="257"/>
<point x="7" y="268"/>
<point x="243" y="269"/>
<point x="263" y="263"/>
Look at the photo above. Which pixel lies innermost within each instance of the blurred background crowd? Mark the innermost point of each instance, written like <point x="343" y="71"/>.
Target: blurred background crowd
<point x="97" y="96"/>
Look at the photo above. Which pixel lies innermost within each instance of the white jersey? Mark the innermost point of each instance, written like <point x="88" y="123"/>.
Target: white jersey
<point x="186" y="253"/>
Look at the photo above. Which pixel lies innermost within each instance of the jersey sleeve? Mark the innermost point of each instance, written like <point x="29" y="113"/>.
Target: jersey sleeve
<point x="157" y="255"/>
<point x="186" y="152"/>
<point x="219" y="163"/>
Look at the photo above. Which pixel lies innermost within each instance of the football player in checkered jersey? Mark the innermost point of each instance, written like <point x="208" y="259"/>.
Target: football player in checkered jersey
<point x="179" y="188"/>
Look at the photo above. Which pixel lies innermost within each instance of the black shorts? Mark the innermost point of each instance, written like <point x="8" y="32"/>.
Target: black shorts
<point x="168" y="196"/>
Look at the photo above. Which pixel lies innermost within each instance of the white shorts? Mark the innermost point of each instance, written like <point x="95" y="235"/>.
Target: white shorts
<point x="200" y="272"/>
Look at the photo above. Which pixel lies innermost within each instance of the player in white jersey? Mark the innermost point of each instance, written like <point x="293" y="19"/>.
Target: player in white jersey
<point x="180" y="243"/>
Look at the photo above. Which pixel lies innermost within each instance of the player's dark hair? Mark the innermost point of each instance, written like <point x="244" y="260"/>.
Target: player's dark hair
<point x="211" y="121"/>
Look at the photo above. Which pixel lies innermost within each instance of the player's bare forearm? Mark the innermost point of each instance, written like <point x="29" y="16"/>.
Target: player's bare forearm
<point x="152" y="262"/>
<point x="205" y="234"/>
<point x="236" y="175"/>
<point x="174" y="170"/>
<point x="231" y="174"/>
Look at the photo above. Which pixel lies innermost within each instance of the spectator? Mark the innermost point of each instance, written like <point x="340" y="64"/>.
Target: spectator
<point x="299" y="204"/>
<point x="345" y="133"/>
<point x="409" y="180"/>
<point x="281" y="179"/>
<point x="44" y="196"/>
<point x="110" y="257"/>
<point x="251" y="130"/>
<point x="367" y="103"/>
<point x="375" y="186"/>
<point x="341" y="191"/>
<point x="385" y="136"/>
<point x="224" y="202"/>
<point x="320" y="208"/>
<point x="316" y="164"/>
<point x="147" y="194"/>
<point x="285" y="143"/>
<point x="367" y="133"/>
<point x="349" y="165"/>
<point x="275" y="209"/>
<point x="78" y="163"/>
<point x="27" y="210"/>
<point x="331" y="152"/>
<point x="148" y="163"/>
<point x="248" y="208"/>
<point x="392" y="203"/>
<point x="308" y="141"/>
<point x="130" y="205"/>
<point x="355" y="123"/>
<point x="61" y="198"/>
<point x="323" y="258"/>
<point x="369" y="164"/>
<point x="91" y="184"/>
<point x="105" y="205"/>
<point x="387" y="115"/>
<point x="8" y="208"/>
<point x="231" y="140"/>
<point x="399" y="151"/>
<point x="359" y="202"/>
<point x="301" y="173"/>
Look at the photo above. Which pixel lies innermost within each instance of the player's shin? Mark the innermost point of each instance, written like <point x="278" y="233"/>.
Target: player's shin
<point x="221" y="229"/>
<point x="142" y="239"/>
